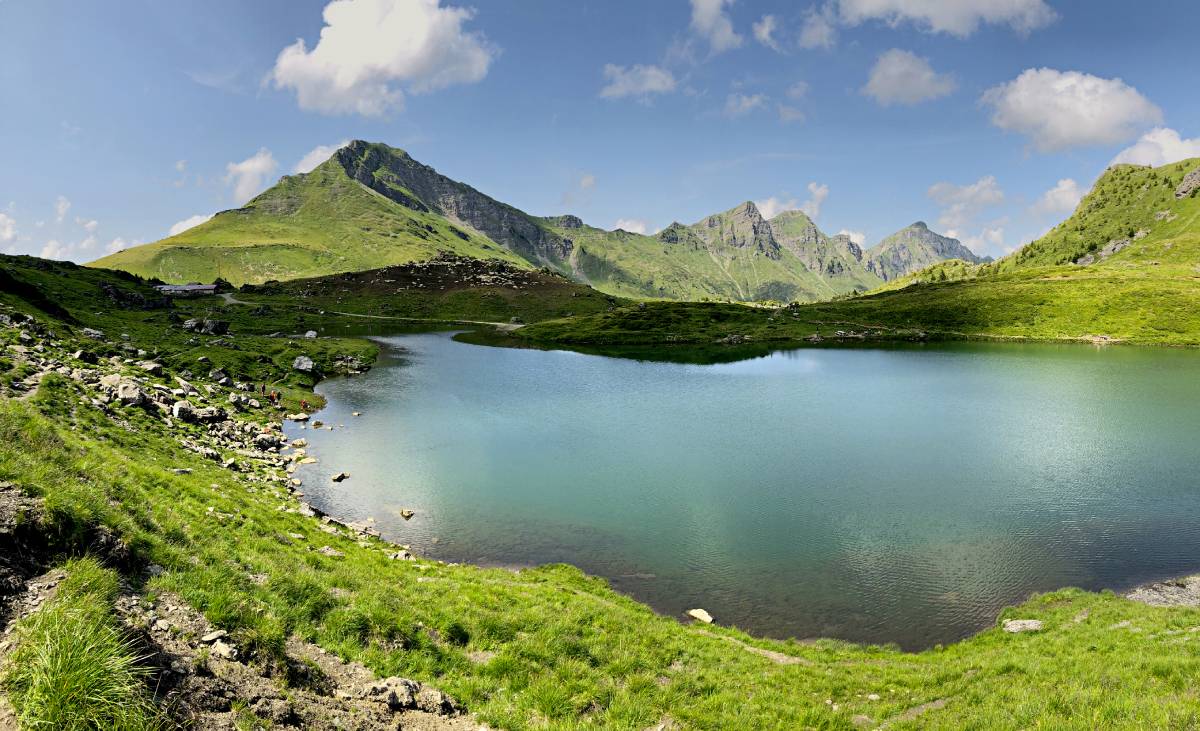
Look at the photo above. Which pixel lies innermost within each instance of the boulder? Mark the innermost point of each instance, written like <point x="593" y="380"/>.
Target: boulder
<point x="1190" y="184"/>
<point x="700" y="615"/>
<point x="303" y="363"/>
<point x="152" y="367"/>
<point x="184" y="411"/>
<point x="93" y="334"/>
<point x="398" y="693"/>
<point x="310" y="334"/>
<point x="130" y="394"/>
<point x="340" y="476"/>
<point x="112" y="380"/>
<point x="1022" y="625"/>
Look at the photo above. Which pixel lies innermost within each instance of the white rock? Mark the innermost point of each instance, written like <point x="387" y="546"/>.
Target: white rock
<point x="700" y="615"/>
<point x="1022" y="625"/>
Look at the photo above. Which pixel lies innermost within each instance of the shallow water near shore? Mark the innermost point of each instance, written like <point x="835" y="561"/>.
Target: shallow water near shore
<point x="895" y="495"/>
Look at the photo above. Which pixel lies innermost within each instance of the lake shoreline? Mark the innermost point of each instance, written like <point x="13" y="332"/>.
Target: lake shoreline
<point x="1126" y="589"/>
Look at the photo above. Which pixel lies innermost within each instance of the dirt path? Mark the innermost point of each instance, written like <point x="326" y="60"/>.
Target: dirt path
<point x="503" y="326"/>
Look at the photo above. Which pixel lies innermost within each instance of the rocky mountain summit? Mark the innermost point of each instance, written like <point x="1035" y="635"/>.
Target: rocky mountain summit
<point x="372" y="206"/>
<point x="913" y="248"/>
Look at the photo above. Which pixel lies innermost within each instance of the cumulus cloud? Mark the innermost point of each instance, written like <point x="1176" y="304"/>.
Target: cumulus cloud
<point x="819" y="29"/>
<point x="711" y="22"/>
<point x="739" y="105"/>
<point x="181" y="166"/>
<point x="959" y="18"/>
<point x="1061" y="109"/>
<point x="773" y="206"/>
<point x="118" y="244"/>
<point x="249" y="176"/>
<point x="54" y="250"/>
<point x="371" y="52"/>
<point x="8" y="229"/>
<point x="764" y="32"/>
<point x="857" y="237"/>
<point x="61" y="206"/>
<point x="189" y="222"/>
<point x="902" y="77"/>
<point x="1062" y="198"/>
<point x="636" y="81"/>
<point x="1159" y="146"/>
<point x="632" y="225"/>
<point x="818" y="194"/>
<point x="962" y="203"/>
<point x="316" y="156"/>
<point x="86" y="225"/>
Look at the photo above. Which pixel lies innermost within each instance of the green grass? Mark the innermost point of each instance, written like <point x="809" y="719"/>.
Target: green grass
<point x="308" y="225"/>
<point x="566" y="651"/>
<point x="1147" y="293"/>
<point x="73" y="669"/>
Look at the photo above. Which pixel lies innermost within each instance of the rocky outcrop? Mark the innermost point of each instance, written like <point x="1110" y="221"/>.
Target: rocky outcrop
<point x="395" y="175"/>
<point x="742" y="227"/>
<point x="914" y="248"/>
<point x="1190" y="184"/>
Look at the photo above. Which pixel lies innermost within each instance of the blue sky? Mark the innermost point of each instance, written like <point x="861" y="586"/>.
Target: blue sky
<point x="986" y="118"/>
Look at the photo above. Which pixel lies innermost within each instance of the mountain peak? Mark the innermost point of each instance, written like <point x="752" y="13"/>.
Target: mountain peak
<point x="920" y="225"/>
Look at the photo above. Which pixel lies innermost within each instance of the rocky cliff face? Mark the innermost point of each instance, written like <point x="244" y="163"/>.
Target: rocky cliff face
<point x="835" y="259"/>
<point x="395" y="175"/>
<point x="741" y="228"/>
<point x="914" y="248"/>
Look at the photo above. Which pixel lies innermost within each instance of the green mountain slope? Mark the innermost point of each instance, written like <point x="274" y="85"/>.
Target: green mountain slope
<point x="914" y="248"/>
<point x="371" y="205"/>
<point x="1136" y="237"/>
<point x="324" y="222"/>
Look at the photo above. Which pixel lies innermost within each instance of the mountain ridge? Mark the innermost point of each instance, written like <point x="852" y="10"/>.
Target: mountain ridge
<point x="372" y="205"/>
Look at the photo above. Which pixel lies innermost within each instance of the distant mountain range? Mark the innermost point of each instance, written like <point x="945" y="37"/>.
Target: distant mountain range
<point x="371" y="205"/>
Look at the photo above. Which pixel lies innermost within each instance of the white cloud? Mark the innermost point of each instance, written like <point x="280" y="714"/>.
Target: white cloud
<point x="1061" y="109"/>
<point x="54" y="250"/>
<point x="8" y="229"/>
<point x="739" y="105"/>
<point x="857" y="237"/>
<point x="957" y="17"/>
<point x="990" y="239"/>
<point x="190" y="222"/>
<point x="181" y="166"/>
<point x="61" y="206"/>
<point x="711" y="21"/>
<point x="88" y="243"/>
<point x="772" y="207"/>
<point x="788" y="113"/>
<point x="962" y="203"/>
<point x="250" y="175"/>
<point x="632" y="225"/>
<point x="89" y="226"/>
<point x="637" y="80"/>
<point x="118" y="244"/>
<point x="818" y="194"/>
<point x="1159" y="146"/>
<point x="316" y="156"/>
<point x="798" y="90"/>
<point x="372" y="51"/>
<point x="764" y="32"/>
<point x="587" y="181"/>
<point x="902" y="77"/>
<point x="819" y="29"/>
<point x="1062" y="198"/>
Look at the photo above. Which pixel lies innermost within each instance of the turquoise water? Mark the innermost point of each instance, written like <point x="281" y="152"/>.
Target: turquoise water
<point x="883" y="495"/>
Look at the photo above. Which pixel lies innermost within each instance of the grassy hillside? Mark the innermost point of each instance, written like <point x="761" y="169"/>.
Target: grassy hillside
<point x="371" y="205"/>
<point x="320" y="223"/>
<point x="537" y="648"/>
<point x="1147" y="291"/>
